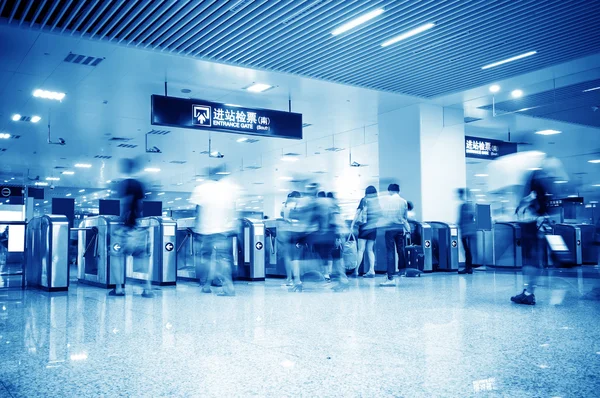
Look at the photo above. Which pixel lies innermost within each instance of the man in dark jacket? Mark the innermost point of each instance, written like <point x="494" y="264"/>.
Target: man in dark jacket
<point x="468" y="229"/>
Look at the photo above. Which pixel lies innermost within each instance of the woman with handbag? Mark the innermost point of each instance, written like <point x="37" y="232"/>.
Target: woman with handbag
<point x="366" y="217"/>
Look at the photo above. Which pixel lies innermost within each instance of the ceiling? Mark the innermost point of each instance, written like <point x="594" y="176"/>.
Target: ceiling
<point x="295" y="36"/>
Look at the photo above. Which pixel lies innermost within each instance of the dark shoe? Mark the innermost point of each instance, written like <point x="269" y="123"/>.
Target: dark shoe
<point x="148" y="294"/>
<point x="523" y="298"/>
<point x="114" y="293"/>
<point x="465" y="271"/>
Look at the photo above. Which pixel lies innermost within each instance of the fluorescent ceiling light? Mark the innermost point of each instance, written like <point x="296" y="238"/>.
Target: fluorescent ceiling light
<point x="517" y="93"/>
<point x="548" y="132"/>
<point x="357" y="21"/>
<point x="481" y="175"/>
<point x="68" y="173"/>
<point x="283" y="190"/>
<point x="560" y="182"/>
<point x="258" y="87"/>
<point x="494" y="88"/>
<point x="505" y="61"/>
<point x="35" y="119"/>
<point x="475" y="190"/>
<point x="49" y="94"/>
<point x="243" y="139"/>
<point x="41" y="184"/>
<point x="68" y="194"/>
<point x="108" y="181"/>
<point x="289" y="158"/>
<point x="148" y="193"/>
<point x="480" y="196"/>
<point x="285" y="178"/>
<point x="408" y="34"/>
<point x="170" y="201"/>
<point x="152" y="169"/>
<point x="596" y="185"/>
<point x="83" y="165"/>
<point x="52" y="179"/>
<point x="222" y="173"/>
<point x="4" y="136"/>
<point x="534" y="168"/>
<point x="16" y="117"/>
<point x="591" y="89"/>
<point x="82" y="190"/>
<point x="161" y="193"/>
<point x="594" y="161"/>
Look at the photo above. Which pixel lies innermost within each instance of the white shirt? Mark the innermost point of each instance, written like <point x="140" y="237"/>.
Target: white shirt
<point x="217" y="207"/>
<point x="395" y="211"/>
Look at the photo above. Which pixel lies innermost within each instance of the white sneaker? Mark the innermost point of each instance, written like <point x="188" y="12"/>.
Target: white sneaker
<point x="388" y="283"/>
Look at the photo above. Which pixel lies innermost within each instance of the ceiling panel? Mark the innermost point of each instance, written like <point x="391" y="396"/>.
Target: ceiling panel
<point x="295" y="36"/>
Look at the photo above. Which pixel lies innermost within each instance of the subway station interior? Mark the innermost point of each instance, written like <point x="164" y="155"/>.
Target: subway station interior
<point x="385" y="198"/>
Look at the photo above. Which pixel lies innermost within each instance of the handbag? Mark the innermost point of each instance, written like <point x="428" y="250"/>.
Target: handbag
<point x="349" y="253"/>
<point x="362" y="216"/>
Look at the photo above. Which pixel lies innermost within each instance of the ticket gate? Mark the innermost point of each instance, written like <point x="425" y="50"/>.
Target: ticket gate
<point x="589" y="247"/>
<point x="160" y="265"/>
<point x="47" y="253"/>
<point x="508" y="249"/>
<point x="251" y="251"/>
<point x="274" y="256"/>
<point x="187" y="245"/>
<point x="421" y="234"/>
<point x="94" y="254"/>
<point x="444" y="246"/>
<point x="483" y="248"/>
<point x="571" y="234"/>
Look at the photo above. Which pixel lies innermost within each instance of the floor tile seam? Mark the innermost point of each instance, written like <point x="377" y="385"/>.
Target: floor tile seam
<point x="6" y="388"/>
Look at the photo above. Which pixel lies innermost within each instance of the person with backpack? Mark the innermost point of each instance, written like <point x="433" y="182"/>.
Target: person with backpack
<point x="467" y="227"/>
<point x="367" y="218"/>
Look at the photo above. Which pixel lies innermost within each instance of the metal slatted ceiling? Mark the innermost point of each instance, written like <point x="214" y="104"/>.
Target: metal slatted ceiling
<point x="568" y="104"/>
<point x="294" y="36"/>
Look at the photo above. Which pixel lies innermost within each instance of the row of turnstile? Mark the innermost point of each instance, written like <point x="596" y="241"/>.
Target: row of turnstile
<point x="173" y="249"/>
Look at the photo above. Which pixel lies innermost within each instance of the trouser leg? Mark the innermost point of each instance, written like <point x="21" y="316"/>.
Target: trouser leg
<point x="390" y="254"/>
<point x="466" y="241"/>
<point x="400" y="244"/>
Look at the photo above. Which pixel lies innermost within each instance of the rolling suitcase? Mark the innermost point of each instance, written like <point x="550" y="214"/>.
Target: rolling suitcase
<point x="414" y="257"/>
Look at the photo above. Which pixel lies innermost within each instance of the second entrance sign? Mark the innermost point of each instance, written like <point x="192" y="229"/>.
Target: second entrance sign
<point x="207" y="115"/>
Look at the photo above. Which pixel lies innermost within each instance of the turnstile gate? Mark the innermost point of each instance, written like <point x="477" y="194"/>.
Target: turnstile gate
<point x="508" y="245"/>
<point x="160" y="265"/>
<point x="444" y="242"/>
<point x="274" y="255"/>
<point x="188" y="245"/>
<point x="94" y="252"/>
<point x="571" y="235"/>
<point x="421" y="234"/>
<point x="47" y="253"/>
<point x="251" y="251"/>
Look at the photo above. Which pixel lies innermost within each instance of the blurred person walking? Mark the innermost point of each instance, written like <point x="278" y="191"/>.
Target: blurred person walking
<point x="467" y="227"/>
<point x="216" y="225"/>
<point x="394" y="209"/>
<point x="134" y="238"/>
<point x="367" y="218"/>
<point x="287" y="238"/>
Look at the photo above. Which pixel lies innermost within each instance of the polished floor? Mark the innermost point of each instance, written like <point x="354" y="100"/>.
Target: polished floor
<point x="434" y="336"/>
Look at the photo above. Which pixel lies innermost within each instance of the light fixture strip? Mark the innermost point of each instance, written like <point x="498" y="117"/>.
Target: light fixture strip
<point x="511" y="59"/>
<point x="357" y="21"/>
<point x="408" y="34"/>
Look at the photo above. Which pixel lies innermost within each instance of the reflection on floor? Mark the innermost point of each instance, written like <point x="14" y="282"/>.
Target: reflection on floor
<point x="434" y="336"/>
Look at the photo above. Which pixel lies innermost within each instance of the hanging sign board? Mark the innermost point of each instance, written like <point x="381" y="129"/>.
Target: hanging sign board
<point x="206" y="115"/>
<point x="484" y="148"/>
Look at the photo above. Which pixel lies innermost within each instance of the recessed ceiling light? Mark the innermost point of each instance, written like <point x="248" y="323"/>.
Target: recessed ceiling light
<point x="177" y="198"/>
<point x="548" y="132"/>
<point x="68" y="173"/>
<point x="41" y="184"/>
<point x="481" y="175"/>
<point x="258" y="87"/>
<point x="148" y="193"/>
<point x="4" y="136"/>
<point x="160" y="193"/>
<point x="82" y="190"/>
<point x="286" y="178"/>
<point x="68" y="194"/>
<point x="45" y="201"/>
<point x="357" y="21"/>
<point x="170" y="201"/>
<point x="16" y="117"/>
<point x="52" y="179"/>
<point x="517" y="93"/>
<point x="560" y="182"/>
<point x="83" y="165"/>
<point x="35" y="119"/>
<point x="408" y="34"/>
<point x="49" y="94"/>
<point x="511" y="59"/>
<point x="152" y="169"/>
<point x="594" y="161"/>
<point x="289" y="158"/>
<point x="494" y="88"/>
<point x="243" y="139"/>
